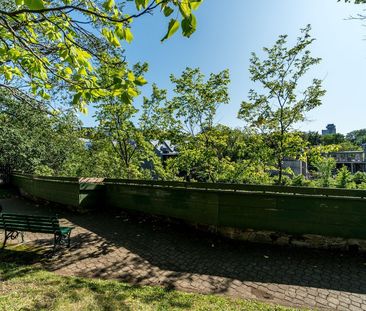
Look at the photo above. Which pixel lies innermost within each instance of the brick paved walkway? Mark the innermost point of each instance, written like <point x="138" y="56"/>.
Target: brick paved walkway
<point x="141" y="251"/>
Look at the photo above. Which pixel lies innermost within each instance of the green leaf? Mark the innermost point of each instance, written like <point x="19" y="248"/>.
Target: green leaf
<point x="185" y="9"/>
<point x="172" y="28"/>
<point x="34" y="4"/>
<point x="111" y="37"/>
<point x="167" y="11"/>
<point x="141" y="4"/>
<point x="189" y="25"/>
<point x="76" y="99"/>
<point x="132" y="92"/>
<point x="124" y="33"/>
<point x="131" y="76"/>
<point x="195" y="4"/>
<point x="19" y="2"/>
<point x="68" y="71"/>
<point x="8" y="75"/>
<point x="108" y="5"/>
<point x="128" y="35"/>
<point x="140" y="81"/>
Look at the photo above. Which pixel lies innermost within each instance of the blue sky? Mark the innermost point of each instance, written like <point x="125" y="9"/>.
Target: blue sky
<point x="228" y="31"/>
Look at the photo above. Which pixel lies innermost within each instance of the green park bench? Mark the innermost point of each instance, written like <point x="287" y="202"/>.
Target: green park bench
<point x="16" y="224"/>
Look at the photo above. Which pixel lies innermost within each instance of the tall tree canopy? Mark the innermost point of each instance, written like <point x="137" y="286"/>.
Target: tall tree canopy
<point x="45" y="43"/>
<point x="280" y="101"/>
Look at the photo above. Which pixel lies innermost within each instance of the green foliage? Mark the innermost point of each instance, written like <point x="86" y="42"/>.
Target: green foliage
<point x="32" y="140"/>
<point x="357" y="137"/>
<point x="332" y="139"/>
<point x="301" y="181"/>
<point x="344" y="179"/>
<point x="359" y="178"/>
<point x="325" y="168"/>
<point x="46" y="44"/>
<point x="194" y="109"/>
<point x="135" y="153"/>
<point x="278" y="107"/>
<point x="197" y="100"/>
<point x="157" y="120"/>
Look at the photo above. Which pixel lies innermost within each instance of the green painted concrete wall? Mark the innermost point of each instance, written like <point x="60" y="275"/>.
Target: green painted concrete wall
<point x="53" y="190"/>
<point x="338" y="216"/>
<point x="291" y="210"/>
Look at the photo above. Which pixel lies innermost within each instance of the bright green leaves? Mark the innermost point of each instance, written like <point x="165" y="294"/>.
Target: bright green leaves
<point x="111" y="37"/>
<point x="140" y="81"/>
<point x="167" y="10"/>
<point x="42" y="49"/>
<point x="172" y="28"/>
<point x="185" y="8"/>
<point x="124" y="33"/>
<point x="189" y="25"/>
<point x="31" y="4"/>
<point x="141" y="4"/>
<point x="8" y="74"/>
<point x="195" y="4"/>
<point x="108" y="5"/>
<point x="281" y="102"/>
<point x="76" y="99"/>
<point x="34" y="4"/>
<point x="67" y="72"/>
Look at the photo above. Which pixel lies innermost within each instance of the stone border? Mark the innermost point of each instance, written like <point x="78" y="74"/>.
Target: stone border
<point x="303" y="241"/>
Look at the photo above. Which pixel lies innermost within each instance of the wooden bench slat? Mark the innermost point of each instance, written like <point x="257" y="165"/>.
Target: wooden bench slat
<point x="33" y="230"/>
<point x="25" y="227"/>
<point x="27" y="222"/>
<point x="14" y="216"/>
<point x="19" y="223"/>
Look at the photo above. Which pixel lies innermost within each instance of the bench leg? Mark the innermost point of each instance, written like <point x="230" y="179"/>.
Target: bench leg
<point x="61" y="239"/>
<point x="11" y="235"/>
<point x="68" y="239"/>
<point x="55" y="242"/>
<point x="5" y="239"/>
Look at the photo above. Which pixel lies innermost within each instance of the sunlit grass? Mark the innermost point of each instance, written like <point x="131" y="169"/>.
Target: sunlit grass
<point x="26" y="286"/>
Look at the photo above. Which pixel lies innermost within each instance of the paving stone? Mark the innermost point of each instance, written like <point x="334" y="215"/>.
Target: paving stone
<point x="149" y="251"/>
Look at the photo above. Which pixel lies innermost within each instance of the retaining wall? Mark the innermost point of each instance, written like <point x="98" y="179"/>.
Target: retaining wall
<point x="288" y="210"/>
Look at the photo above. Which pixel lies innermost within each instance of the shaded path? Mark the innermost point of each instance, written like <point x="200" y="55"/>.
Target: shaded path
<point x="141" y="251"/>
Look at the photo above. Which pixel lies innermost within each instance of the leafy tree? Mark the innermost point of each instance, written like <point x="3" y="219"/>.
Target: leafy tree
<point x="34" y="141"/>
<point x="196" y="101"/>
<point x="314" y="138"/>
<point x="157" y="120"/>
<point x="359" y="178"/>
<point x="357" y="137"/>
<point x="277" y="107"/>
<point x="135" y="152"/>
<point x="301" y="181"/>
<point x="325" y="168"/>
<point x="194" y="108"/>
<point x="332" y="139"/>
<point x="48" y="43"/>
<point x="344" y="178"/>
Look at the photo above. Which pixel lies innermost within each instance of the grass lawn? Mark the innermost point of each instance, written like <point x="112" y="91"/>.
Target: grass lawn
<point x="24" y="286"/>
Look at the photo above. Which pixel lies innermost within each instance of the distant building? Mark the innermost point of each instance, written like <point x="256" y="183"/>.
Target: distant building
<point x="330" y="129"/>
<point x="355" y="161"/>
<point x="164" y="149"/>
<point x="297" y="166"/>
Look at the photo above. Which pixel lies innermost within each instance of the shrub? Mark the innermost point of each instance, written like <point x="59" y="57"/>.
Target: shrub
<point x="301" y="181"/>
<point x="325" y="167"/>
<point x="359" y="178"/>
<point x="344" y="179"/>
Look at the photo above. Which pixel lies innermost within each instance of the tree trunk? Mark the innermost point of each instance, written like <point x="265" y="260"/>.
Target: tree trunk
<point x="280" y="171"/>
